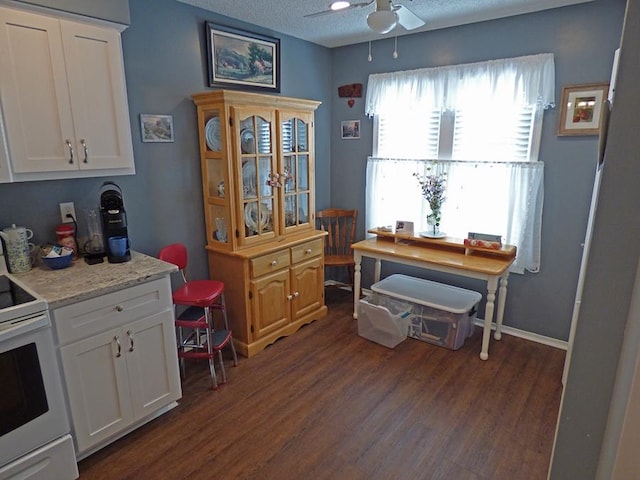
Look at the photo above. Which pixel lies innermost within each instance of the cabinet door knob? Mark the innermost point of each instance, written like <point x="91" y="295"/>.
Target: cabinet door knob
<point x="119" y="353"/>
<point x="274" y="263"/>
<point x="86" y="150"/>
<point x="70" y="150"/>
<point x="119" y="308"/>
<point x="308" y="251"/>
<point x="296" y="294"/>
<point x="130" y="334"/>
<point x="289" y="297"/>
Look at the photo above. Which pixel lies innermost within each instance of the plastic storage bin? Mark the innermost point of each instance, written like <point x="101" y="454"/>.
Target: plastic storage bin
<point x="440" y="314"/>
<point x="383" y="319"/>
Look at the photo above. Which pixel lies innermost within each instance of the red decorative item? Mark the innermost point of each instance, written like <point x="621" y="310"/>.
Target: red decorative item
<point x="351" y="102"/>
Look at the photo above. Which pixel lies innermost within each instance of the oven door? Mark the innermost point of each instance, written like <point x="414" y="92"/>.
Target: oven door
<point x="32" y="409"/>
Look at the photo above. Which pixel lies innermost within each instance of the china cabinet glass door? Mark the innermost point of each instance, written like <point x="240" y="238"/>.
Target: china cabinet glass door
<point x="216" y="177"/>
<point x="257" y="176"/>
<point x="296" y="170"/>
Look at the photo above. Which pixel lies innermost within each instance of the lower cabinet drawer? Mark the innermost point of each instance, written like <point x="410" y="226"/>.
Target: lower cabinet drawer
<point x="269" y="263"/>
<point x="307" y="250"/>
<point x="89" y="317"/>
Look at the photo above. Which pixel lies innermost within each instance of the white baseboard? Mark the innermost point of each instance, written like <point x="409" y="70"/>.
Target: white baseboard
<point x="533" y="337"/>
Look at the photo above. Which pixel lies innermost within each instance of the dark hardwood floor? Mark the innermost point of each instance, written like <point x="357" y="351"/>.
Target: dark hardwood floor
<point x="327" y="404"/>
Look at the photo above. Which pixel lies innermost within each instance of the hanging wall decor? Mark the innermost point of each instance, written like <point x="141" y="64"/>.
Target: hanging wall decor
<point x="581" y="108"/>
<point x="236" y="58"/>
<point x="351" y="91"/>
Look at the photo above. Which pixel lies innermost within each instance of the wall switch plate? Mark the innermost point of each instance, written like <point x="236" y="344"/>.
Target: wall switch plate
<point x="67" y="209"/>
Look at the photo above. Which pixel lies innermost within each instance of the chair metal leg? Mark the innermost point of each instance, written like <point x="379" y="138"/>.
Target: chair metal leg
<point x="212" y="367"/>
<point x="224" y="374"/>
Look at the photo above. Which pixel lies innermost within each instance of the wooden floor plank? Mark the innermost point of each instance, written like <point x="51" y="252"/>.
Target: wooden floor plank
<point x="326" y="403"/>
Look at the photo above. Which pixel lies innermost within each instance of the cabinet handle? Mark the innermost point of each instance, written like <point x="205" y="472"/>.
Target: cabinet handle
<point x="308" y="251"/>
<point x="86" y="150"/>
<point x="119" y="308"/>
<point x="274" y="263"/>
<point x="70" y="150"/>
<point x="130" y="340"/>
<point x="296" y="294"/>
<point x="119" y="353"/>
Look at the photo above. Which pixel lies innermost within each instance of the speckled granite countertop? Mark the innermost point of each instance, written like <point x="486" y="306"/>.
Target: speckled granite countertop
<point x="81" y="281"/>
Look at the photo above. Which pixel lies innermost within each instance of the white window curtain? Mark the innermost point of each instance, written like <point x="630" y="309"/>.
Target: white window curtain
<point x="508" y="200"/>
<point x="524" y="80"/>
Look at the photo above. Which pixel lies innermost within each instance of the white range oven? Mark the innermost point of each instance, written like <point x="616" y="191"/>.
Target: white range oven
<point x="35" y="443"/>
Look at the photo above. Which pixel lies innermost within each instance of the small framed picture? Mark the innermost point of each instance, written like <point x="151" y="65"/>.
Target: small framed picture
<point x="156" y="128"/>
<point x="581" y="109"/>
<point x="350" y="129"/>
<point x="402" y="226"/>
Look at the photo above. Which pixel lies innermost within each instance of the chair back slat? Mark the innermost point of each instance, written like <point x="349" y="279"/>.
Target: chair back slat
<point x="340" y="225"/>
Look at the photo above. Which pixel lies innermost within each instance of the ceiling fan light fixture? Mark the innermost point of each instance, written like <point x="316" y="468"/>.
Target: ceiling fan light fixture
<point x="382" y="21"/>
<point x="339" y="5"/>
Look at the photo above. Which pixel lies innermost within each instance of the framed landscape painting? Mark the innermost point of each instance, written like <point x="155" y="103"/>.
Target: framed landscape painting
<point x="236" y="58"/>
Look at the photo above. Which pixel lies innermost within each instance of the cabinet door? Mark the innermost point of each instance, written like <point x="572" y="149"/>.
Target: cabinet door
<point x="96" y="378"/>
<point x="98" y="96"/>
<point x="152" y="362"/>
<point x="34" y="94"/>
<point x="307" y="284"/>
<point x="271" y="306"/>
<point x="296" y="170"/>
<point x="256" y="172"/>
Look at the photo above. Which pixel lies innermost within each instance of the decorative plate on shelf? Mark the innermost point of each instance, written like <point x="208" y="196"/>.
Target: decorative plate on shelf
<point x="251" y="217"/>
<point x="249" y="179"/>
<point x="247" y="141"/>
<point x="212" y="134"/>
<point x="432" y="235"/>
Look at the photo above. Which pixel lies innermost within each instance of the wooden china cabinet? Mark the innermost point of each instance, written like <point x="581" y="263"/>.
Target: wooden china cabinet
<point x="257" y="156"/>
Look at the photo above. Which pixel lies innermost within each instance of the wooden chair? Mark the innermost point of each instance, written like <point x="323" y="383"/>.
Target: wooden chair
<point x="341" y="228"/>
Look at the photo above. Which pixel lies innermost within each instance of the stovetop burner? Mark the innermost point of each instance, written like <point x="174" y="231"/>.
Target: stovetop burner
<point x="12" y="294"/>
<point x="17" y="302"/>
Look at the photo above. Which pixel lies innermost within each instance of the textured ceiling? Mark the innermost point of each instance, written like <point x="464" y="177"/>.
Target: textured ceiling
<point x="350" y="26"/>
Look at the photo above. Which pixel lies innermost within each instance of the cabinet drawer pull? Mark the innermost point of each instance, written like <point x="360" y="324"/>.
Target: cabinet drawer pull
<point x="119" y="353"/>
<point x="119" y="308"/>
<point x="86" y="150"/>
<point x="70" y="150"/>
<point x="130" y="334"/>
<point x="274" y="263"/>
<point x="308" y="251"/>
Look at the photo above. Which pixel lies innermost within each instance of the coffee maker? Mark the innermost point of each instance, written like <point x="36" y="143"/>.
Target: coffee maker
<point x="114" y="224"/>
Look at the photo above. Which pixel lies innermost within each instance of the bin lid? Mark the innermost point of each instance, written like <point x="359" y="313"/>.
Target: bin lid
<point x="426" y="292"/>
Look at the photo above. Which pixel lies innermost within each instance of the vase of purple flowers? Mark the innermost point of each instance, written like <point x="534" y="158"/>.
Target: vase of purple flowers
<point x="433" y="188"/>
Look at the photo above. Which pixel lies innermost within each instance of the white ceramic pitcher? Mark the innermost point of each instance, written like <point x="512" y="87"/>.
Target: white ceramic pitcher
<point x="18" y="249"/>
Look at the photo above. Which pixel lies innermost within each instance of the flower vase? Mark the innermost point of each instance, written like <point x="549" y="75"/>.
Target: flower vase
<point x="433" y="220"/>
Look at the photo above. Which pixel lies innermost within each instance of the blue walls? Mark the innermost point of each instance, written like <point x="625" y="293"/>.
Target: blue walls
<point x="164" y="55"/>
<point x="583" y="39"/>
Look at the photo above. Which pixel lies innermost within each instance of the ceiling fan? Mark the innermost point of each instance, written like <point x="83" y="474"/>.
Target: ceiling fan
<point x="385" y="18"/>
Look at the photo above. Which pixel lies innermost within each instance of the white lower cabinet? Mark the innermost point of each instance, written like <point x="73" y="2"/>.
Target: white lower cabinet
<point x="119" y="361"/>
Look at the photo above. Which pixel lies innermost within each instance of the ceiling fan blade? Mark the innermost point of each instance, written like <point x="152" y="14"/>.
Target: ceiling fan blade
<point x="329" y="11"/>
<point x="407" y="18"/>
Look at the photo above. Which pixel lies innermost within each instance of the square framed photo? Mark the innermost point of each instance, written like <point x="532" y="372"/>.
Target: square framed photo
<point x="156" y="128"/>
<point x="350" y="129"/>
<point x="236" y="58"/>
<point x="581" y="109"/>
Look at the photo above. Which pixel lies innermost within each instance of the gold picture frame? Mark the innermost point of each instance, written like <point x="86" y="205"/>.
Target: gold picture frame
<point x="581" y="109"/>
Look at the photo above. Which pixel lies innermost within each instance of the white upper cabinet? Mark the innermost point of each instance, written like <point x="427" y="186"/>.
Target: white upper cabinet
<point x="63" y="98"/>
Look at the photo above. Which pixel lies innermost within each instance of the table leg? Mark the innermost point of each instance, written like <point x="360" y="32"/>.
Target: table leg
<point x="356" y="282"/>
<point x="492" y="285"/>
<point x="376" y="270"/>
<point x="502" y="298"/>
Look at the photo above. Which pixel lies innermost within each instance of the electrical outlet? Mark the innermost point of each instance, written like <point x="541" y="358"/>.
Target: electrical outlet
<point x="67" y="209"/>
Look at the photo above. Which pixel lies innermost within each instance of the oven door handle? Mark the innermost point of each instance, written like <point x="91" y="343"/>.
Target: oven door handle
<point x="117" y="339"/>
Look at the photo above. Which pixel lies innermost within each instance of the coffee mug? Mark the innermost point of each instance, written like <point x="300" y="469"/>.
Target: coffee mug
<point x="118" y="246"/>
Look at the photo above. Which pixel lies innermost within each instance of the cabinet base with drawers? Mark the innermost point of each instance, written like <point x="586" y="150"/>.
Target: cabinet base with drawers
<point x="271" y="290"/>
